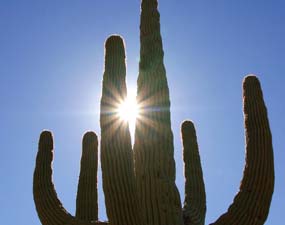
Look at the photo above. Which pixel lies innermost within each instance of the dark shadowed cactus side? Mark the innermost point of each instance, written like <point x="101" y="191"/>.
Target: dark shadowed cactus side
<point x="139" y="184"/>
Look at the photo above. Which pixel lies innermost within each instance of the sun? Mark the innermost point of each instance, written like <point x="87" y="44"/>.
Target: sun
<point x="128" y="110"/>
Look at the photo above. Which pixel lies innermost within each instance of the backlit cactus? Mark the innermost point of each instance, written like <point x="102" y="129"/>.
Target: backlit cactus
<point x="139" y="184"/>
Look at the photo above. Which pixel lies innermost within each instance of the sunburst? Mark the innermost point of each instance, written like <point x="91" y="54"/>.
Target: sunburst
<point x="128" y="110"/>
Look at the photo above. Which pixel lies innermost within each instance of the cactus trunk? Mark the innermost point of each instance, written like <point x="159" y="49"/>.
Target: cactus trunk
<point x="154" y="161"/>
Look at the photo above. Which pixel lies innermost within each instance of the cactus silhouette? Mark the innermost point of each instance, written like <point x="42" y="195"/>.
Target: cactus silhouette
<point x="139" y="183"/>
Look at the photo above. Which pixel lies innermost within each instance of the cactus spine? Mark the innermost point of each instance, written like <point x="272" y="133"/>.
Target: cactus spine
<point x="139" y="185"/>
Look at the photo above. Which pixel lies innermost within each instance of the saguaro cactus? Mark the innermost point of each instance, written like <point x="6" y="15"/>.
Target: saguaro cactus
<point x="139" y="184"/>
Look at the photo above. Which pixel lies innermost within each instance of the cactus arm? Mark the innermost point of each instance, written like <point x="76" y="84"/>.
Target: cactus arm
<point x="194" y="209"/>
<point x="49" y="207"/>
<point x="116" y="149"/>
<point x="251" y="204"/>
<point x="153" y="148"/>
<point x="87" y="199"/>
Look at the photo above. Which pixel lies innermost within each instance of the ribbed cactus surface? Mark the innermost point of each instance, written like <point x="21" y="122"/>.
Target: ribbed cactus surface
<point x="139" y="183"/>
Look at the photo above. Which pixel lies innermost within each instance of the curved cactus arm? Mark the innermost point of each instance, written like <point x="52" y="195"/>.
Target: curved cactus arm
<point x="154" y="161"/>
<point x="87" y="199"/>
<point x="251" y="204"/>
<point x="49" y="207"/>
<point x="116" y="150"/>
<point x="194" y="209"/>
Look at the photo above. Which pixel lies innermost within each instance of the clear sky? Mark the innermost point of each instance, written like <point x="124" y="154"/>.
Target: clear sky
<point x="51" y="64"/>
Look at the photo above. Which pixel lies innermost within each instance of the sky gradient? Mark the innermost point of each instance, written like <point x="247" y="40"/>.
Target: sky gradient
<point x="51" y="67"/>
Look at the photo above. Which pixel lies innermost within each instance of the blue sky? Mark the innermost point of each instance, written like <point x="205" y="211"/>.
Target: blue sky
<point x="51" y="64"/>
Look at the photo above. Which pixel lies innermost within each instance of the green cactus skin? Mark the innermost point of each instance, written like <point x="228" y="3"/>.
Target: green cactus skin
<point x="194" y="209"/>
<point x="251" y="204"/>
<point x="49" y="207"/>
<point x="116" y="149"/>
<point x="139" y="186"/>
<point x="153" y="148"/>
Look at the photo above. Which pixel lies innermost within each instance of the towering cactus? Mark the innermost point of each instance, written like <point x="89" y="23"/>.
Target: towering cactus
<point x="139" y="185"/>
<point x="153" y="148"/>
